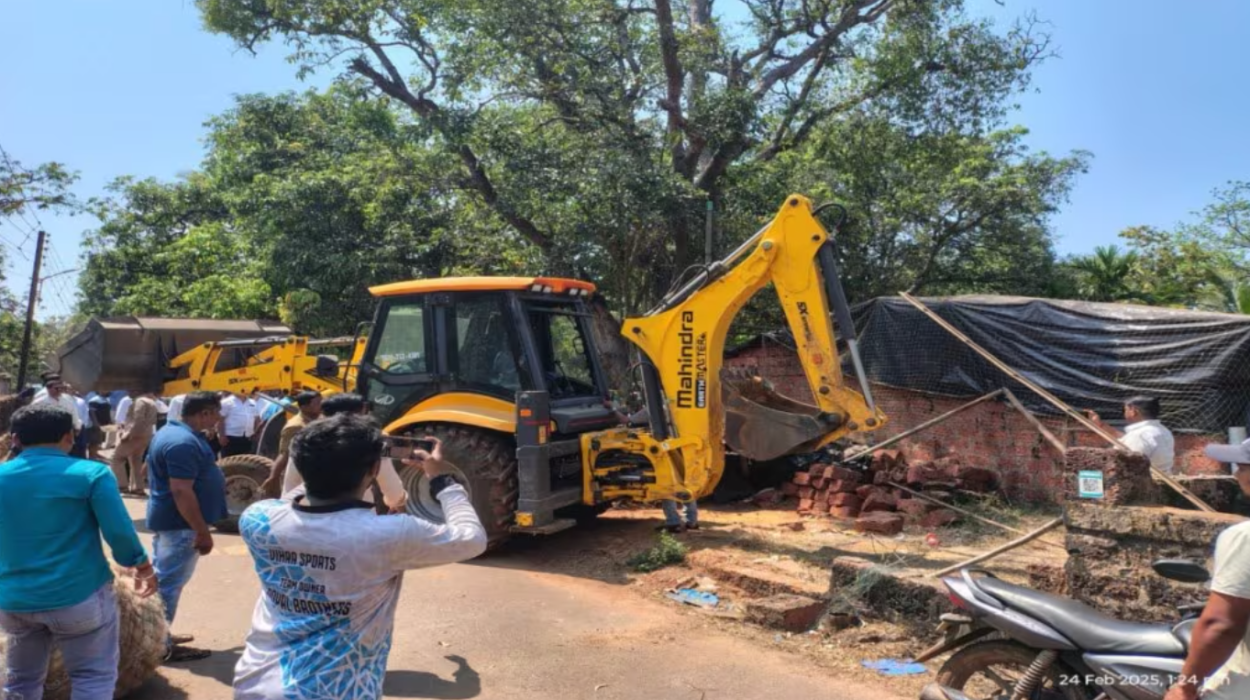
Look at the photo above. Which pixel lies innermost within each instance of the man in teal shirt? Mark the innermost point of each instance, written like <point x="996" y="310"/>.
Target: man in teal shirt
<point x="55" y="584"/>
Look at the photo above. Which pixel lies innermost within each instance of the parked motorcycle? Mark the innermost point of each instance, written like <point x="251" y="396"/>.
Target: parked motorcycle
<point x="1015" y="643"/>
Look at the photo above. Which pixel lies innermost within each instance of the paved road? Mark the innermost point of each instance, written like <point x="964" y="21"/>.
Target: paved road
<point x="495" y="630"/>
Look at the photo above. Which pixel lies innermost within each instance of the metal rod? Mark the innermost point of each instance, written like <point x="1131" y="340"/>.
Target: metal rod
<point x="707" y="237"/>
<point x="927" y="424"/>
<point x="1054" y="400"/>
<point x="1005" y="548"/>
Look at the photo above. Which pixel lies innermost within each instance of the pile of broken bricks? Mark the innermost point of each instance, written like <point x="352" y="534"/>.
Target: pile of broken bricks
<point x="871" y="496"/>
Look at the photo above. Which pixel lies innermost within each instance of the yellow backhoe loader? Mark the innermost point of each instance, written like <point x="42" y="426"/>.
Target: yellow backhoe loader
<point x="505" y="372"/>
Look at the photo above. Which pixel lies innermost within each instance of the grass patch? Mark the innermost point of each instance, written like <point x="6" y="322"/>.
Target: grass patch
<point x="667" y="551"/>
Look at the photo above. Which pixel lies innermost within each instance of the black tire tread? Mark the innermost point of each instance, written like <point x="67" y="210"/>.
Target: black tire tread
<point x="488" y="460"/>
<point x="966" y="662"/>
<point x="255" y="466"/>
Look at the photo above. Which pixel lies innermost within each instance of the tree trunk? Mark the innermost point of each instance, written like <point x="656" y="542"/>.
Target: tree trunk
<point x="614" y="349"/>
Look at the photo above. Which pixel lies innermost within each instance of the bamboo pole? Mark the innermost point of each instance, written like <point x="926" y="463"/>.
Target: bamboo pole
<point x="1054" y="400"/>
<point x="969" y="513"/>
<point x="927" y="424"/>
<point x="1050" y="437"/>
<point x="1005" y="548"/>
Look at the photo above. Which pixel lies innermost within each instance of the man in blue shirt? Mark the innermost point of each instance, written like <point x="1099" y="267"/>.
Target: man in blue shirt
<point x="55" y="584"/>
<point x="188" y="494"/>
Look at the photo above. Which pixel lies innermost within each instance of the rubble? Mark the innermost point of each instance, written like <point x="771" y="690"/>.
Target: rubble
<point x="845" y="493"/>
<point x="785" y="611"/>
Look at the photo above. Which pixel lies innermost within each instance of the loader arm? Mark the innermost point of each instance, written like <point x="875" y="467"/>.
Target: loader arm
<point x="683" y="341"/>
<point x="284" y="363"/>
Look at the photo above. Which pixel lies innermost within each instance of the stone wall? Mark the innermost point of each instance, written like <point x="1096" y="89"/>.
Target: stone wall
<point x="1111" y="549"/>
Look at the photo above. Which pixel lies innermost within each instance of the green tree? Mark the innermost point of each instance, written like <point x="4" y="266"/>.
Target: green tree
<point x="593" y="131"/>
<point x="1107" y="274"/>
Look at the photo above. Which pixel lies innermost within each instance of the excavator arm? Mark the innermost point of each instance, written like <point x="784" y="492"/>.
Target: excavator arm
<point x="695" y="410"/>
<point x="281" y="363"/>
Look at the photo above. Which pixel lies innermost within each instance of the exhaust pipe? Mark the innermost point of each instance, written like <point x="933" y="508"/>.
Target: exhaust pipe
<point x="933" y="691"/>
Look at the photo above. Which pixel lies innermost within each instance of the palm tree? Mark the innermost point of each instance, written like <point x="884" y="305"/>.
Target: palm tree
<point x="1104" y="276"/>
<point x="1230" y="292"/>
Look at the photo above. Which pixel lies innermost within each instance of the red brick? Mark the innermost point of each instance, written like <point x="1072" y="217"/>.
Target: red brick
<point x="802" y="478"/>
<point x="844" y="500"/>
<point x="817" y="470"/>
<point x="843" y="512"/>
<point x="805" y="505"/>
<point x="806" y="492"/>
<point x="820" y="483"/>
<point x="844" y="486"/>
<point x="879" y="502"/>
<point x="842" y="474"/>
<point x="881" y="478"/>
<point x="865" y="490"/>
<point x="880" y="523"/>
<point x="790" y="489"/>
<point x="793" y="613"/>
<point x="939" y="518"/>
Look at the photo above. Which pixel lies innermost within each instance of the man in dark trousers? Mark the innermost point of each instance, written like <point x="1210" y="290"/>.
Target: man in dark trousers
<point x="56" y="587"/>
<point x="188" y="496"/>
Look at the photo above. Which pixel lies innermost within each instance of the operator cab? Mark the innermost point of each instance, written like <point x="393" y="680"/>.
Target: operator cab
<point x="488" y="336"/>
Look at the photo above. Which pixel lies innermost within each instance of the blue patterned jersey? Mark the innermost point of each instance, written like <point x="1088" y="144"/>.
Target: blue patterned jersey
<point x="330" y="579"/>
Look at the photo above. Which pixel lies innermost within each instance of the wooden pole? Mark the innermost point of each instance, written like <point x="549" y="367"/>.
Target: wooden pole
<point x="1054" y="400"/>
<point x="1050" y="437"/>
<point x="927" y="424"/>
<point x="1005" y="548"/>
<point x="969" y="513"/>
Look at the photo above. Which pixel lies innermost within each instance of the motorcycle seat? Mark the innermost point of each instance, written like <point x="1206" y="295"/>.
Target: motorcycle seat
<point x="1087" y="628"/>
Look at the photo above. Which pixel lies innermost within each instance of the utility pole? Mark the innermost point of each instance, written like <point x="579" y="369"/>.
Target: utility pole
<point x="24" y="360"/>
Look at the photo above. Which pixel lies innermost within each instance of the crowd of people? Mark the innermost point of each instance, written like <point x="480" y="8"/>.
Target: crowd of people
<point x="323" y="622"/>
<point x="327" y="605"/>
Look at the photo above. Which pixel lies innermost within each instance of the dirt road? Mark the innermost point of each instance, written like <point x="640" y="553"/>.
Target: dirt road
<point x="493" y="629"/>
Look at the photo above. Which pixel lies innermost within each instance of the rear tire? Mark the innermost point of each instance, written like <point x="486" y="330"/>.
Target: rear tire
<point x="965" y="671"/>
<point x="487" y="464"/>
<point x="244" y="476"/>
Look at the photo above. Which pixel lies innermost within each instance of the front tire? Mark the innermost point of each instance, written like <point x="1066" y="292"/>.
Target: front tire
<point x="989" y="671"/>
<point x="244" y="476"/>
<point x="486" y="464"/>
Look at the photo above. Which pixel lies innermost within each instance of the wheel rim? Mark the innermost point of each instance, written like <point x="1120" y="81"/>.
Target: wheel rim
<point x="241" y="492"/>
<point x="997" y="681"/>
<point x="420" y="502"/>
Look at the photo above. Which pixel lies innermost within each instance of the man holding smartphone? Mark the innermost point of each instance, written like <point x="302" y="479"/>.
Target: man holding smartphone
<point x="331" y="569"/>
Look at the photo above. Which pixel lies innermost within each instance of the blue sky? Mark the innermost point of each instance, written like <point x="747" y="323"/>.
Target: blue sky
<point x="1157" y="94"/>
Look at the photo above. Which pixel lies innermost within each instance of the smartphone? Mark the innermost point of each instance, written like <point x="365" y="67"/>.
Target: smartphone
<point x="399" y="447"/>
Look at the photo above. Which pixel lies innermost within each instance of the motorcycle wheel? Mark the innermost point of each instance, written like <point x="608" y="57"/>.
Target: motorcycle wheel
<point x="990" y="670"/>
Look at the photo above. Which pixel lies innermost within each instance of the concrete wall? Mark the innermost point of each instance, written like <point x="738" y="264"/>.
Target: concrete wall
<point x="991" y="435"/>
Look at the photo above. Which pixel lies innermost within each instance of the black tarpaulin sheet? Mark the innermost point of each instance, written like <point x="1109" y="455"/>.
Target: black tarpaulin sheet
<point x="1091" y="355"/>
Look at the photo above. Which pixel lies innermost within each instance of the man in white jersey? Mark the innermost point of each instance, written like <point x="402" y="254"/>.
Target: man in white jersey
<point x="1217" y="666"/>
<point x="331" y="569"/>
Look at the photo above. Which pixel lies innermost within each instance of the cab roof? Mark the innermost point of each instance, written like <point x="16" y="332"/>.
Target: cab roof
<point x="555" y="285"/>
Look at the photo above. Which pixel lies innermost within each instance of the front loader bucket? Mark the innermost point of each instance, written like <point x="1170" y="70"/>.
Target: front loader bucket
<point x="761" y="424"/>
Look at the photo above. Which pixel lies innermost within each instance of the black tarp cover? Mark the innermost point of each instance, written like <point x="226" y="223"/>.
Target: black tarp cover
<point x="1091" y="355"/>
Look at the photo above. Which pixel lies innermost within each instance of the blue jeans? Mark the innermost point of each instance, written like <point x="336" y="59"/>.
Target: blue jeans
<point x="86" y="634"/>
<point x="174" y="559"/>
<point x="673" y="518"/>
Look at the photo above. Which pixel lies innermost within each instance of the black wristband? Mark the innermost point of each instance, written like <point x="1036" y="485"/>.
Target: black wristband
<point x="440" y="482"/>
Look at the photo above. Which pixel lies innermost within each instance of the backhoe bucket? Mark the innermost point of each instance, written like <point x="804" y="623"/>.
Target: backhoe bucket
<point x="761" y="424"/>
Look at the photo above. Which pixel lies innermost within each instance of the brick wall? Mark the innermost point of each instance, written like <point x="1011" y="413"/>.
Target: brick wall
<point x="991" y="435"/>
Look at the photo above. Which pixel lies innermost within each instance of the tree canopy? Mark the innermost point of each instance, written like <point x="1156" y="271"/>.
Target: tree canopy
<point x="586" y="138"/>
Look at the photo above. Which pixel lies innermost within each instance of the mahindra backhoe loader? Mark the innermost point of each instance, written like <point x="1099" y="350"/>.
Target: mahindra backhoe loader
<point x="505" y="372"/>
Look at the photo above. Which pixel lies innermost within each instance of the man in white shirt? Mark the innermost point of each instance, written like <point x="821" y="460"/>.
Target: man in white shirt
<point x="331" y="569"/>
<point x="175" y="408"/>
<point x="123" y="409"/>
<point x="54" y="392"/>
<point x="1143" y="433"/>
<point x="238" y="424"/>
<point x="1219" y="650"/>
